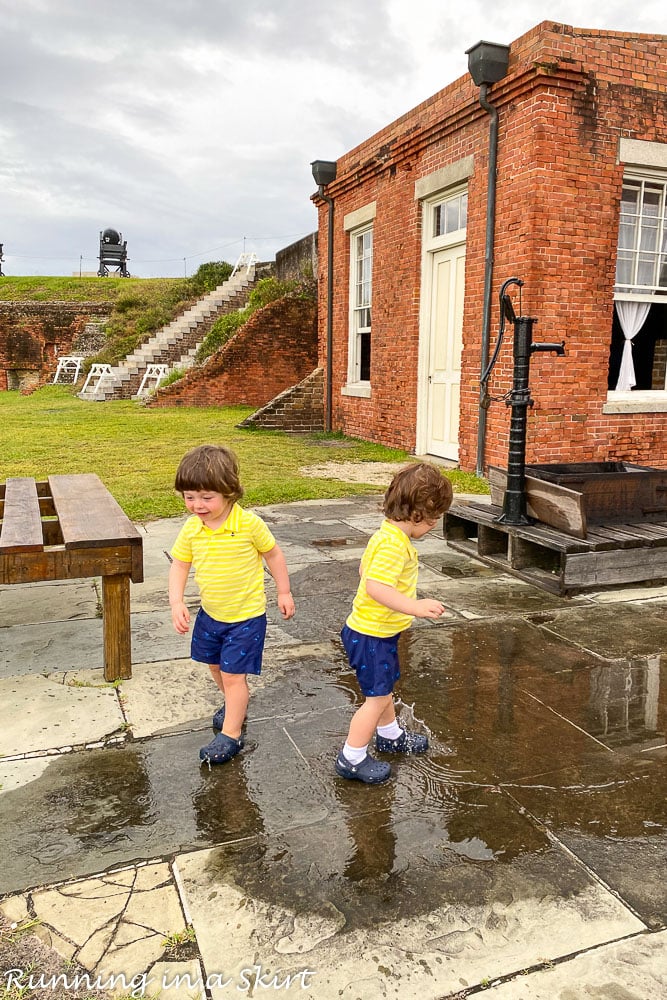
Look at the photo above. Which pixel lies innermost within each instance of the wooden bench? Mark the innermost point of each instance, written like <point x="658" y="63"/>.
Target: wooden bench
<point x="69" y="528"/>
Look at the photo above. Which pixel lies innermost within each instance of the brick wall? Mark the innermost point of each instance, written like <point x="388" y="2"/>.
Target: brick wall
<point x="569" y="96"/>
<point x="34" y="334"/>
<point x="275" y="349"/>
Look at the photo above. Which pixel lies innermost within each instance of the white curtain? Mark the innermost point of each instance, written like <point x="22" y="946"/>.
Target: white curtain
<point x="631" y="316"/>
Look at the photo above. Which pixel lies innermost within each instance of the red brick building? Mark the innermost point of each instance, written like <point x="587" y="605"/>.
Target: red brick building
<point x="580" y="217"/>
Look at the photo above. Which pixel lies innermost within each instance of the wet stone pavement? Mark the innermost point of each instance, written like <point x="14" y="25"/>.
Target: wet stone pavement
<point x="523" y="856"/>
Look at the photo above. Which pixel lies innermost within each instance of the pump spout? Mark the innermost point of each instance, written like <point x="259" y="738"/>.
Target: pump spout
<point x="555" y="348"/>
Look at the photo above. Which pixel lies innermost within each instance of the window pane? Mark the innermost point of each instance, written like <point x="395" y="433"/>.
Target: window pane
<point x="623" y="269"/>
<point x="451" y="215"/>
<point x="649" y="237"/>
<point x="662" y="280"/>
<point x="365" y="357"/>
<point x="366" y="265"/>
<point x="651" y="205"/>
<point x="626" y="235"/>
<point x="452" y="223"/>
<point x="629" y="199"/>
<point x="645" y="270"/>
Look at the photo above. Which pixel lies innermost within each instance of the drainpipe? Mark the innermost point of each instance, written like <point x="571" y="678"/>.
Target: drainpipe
<point x="487" y="64"/>
<point x="324" y="172"/>
<point x="488" y="266"/>
<point x="329" y="375"/>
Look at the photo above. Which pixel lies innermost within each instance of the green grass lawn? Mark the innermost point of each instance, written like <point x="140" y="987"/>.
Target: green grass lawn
<point x="135" y="450"/>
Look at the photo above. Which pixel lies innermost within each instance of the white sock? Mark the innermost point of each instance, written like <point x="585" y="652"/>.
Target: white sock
<point x="354" y="755"/>
<point x="390" y="732"/>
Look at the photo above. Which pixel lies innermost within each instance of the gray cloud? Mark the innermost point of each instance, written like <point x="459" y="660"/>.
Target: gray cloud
<point x="191" y="124"/>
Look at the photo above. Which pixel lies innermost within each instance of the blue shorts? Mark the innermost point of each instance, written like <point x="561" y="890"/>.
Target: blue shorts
<point x="236" y="647"/>
<point x="375" y="661"/>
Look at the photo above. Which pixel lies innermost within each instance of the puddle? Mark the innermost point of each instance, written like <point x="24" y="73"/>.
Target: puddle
<point x="108" y="807"/>
<point x="535" y="741"/>
<point x="381" y="864"/>
<point x="333" y="542"/>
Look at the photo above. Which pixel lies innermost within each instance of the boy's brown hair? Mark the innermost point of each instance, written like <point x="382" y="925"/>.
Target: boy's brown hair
<point x="210" y="467"/>
<point x="418" y="492"/>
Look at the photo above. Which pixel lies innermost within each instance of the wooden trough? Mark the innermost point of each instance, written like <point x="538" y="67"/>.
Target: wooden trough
<point x="570" y="496"/>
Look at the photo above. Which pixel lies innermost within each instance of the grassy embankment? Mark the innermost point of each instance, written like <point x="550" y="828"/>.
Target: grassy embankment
<point x="137" y="306"/>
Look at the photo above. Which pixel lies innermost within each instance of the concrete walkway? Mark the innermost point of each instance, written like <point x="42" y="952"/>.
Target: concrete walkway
<point x="524" y="854"/>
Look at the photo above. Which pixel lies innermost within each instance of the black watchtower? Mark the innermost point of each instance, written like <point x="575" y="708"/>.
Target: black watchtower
<point x="113" y="254"/>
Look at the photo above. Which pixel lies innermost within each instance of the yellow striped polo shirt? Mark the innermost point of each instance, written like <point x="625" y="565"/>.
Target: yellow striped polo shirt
<point x="390" y="558"/>
<point x="228" y="563"/>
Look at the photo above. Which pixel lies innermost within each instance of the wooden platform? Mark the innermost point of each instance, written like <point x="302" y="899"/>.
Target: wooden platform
<point x="609" y="555"/>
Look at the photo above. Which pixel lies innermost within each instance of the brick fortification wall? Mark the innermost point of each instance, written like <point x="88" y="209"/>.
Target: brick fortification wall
<point x="275" y="349"/>
<point x="569" y="97"/>
<point x="34" y="334"/>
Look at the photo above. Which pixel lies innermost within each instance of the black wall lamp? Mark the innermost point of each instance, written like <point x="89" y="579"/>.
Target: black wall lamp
<point x="324" y="173"/>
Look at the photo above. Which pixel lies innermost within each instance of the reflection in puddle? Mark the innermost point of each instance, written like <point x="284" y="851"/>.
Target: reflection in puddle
<point x="624" y="705"/>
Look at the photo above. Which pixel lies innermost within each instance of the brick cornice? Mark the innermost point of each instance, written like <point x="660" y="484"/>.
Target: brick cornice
<point x="561" y="74"/>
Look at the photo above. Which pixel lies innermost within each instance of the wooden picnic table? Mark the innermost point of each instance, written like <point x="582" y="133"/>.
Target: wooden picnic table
<point x="69" y="528"/>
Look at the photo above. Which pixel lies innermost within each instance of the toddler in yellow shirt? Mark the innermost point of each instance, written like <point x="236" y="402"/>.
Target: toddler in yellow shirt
<point x="384" y="606"/>
<point x="227" y="546"/>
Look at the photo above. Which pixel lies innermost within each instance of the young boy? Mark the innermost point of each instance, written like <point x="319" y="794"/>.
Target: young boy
<point x="383" y="607"/>
<point x="226" y="545"/>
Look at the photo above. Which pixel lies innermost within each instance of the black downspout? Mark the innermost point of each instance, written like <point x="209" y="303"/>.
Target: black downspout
<point x="488" y="266"/>
<point x="329" y="372"/>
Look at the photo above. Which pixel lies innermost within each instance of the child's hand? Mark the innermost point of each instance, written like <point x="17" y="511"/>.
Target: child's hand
<point x="286" y="605"/>
<point x="429" y="608"/>
<point x="180" y="617"/>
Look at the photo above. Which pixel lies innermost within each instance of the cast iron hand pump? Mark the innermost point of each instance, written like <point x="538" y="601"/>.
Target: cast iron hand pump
<point x="514" y="505"/>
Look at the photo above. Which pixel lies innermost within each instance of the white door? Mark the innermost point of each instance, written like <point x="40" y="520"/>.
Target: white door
<point x="444" y="352"/>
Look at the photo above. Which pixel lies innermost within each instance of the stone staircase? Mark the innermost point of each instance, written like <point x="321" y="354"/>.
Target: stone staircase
<point x="175" y="344"/>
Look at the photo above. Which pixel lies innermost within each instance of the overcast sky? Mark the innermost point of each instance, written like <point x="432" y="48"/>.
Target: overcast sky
<point x="190" y="125"/>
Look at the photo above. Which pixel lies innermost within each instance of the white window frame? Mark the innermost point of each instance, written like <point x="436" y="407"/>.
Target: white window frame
<point x="454" y="205"/>
<point x="639" y="255"/>
<point x="646" y="167"/>
<point x="360" y="227"/>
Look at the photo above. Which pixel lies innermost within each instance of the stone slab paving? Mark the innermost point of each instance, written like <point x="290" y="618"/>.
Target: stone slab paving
<point x="41" y="649"/>
<point x="633" y="969"/>
<point x="54" y="714"/>
<point x="530" y="837"/>
<point x="635" y="629"/>
<point x="49" y="602"/>
<point x="348" y="939"/>
<point x="121" y="928"/>
<point x="67" y="645"/>
<point x="501" y="595"/>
